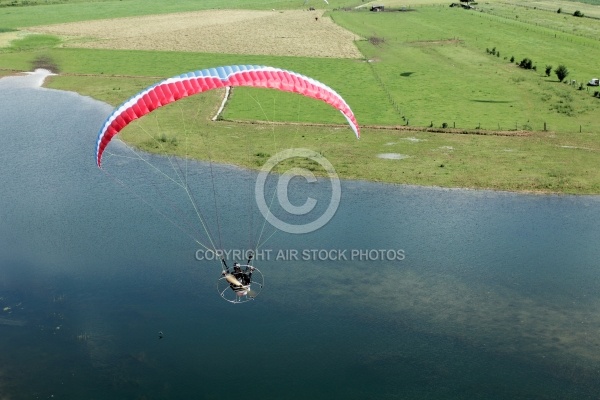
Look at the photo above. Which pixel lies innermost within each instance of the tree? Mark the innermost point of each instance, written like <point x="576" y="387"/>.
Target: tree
<point x="548" y="70"/>
<point x="578" y="14"/>
<point x="561" y="72"/>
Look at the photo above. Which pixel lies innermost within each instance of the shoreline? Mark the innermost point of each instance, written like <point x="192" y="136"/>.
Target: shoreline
<point x="31" y="79"/>
<point x="345" y="170"/>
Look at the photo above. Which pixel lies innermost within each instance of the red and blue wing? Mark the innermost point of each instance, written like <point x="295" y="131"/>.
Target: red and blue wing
<point x="185" y="85"/>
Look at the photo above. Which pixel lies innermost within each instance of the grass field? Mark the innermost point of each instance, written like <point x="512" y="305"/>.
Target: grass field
<point x="437" y="70"/>
<point x="427" y="68"/>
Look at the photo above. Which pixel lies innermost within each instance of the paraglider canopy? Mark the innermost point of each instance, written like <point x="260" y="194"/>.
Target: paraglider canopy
<point x="178" y="87"/>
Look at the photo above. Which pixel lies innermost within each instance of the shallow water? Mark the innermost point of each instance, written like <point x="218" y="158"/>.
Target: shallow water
<point x="489" y="295"/>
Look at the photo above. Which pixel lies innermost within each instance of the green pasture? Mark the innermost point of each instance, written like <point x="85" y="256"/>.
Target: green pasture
<point x="422" y="69"/>
<point x="61" y="11"/>
<point x="587" y="7"/>
<point x="114" y="76"/>
<point x="545" y="15"/>
<point x="540" y="162"/>
<point x="433" y="65"/>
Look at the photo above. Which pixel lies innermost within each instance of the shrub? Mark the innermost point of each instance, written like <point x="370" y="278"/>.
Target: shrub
<point x="376" y="41"/>
<point x="526" y="63"/>
<point x="548" y="70"/>
<point x="559" y="10"/>
<point x="578" y="14"/>
<point x="512" y="59"/>
<point x="561" y="72"/>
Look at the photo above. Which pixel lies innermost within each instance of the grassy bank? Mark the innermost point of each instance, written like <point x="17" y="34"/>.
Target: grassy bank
<point x="536" y="163"/>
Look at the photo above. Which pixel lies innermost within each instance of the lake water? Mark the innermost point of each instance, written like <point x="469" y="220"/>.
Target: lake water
<point x="488" y="296"/>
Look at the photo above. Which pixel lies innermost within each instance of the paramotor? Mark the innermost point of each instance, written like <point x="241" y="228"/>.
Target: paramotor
<point x="246" y="281"/>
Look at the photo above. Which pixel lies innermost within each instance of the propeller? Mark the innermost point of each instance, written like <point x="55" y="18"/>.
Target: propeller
<point x="233" y="280"/>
